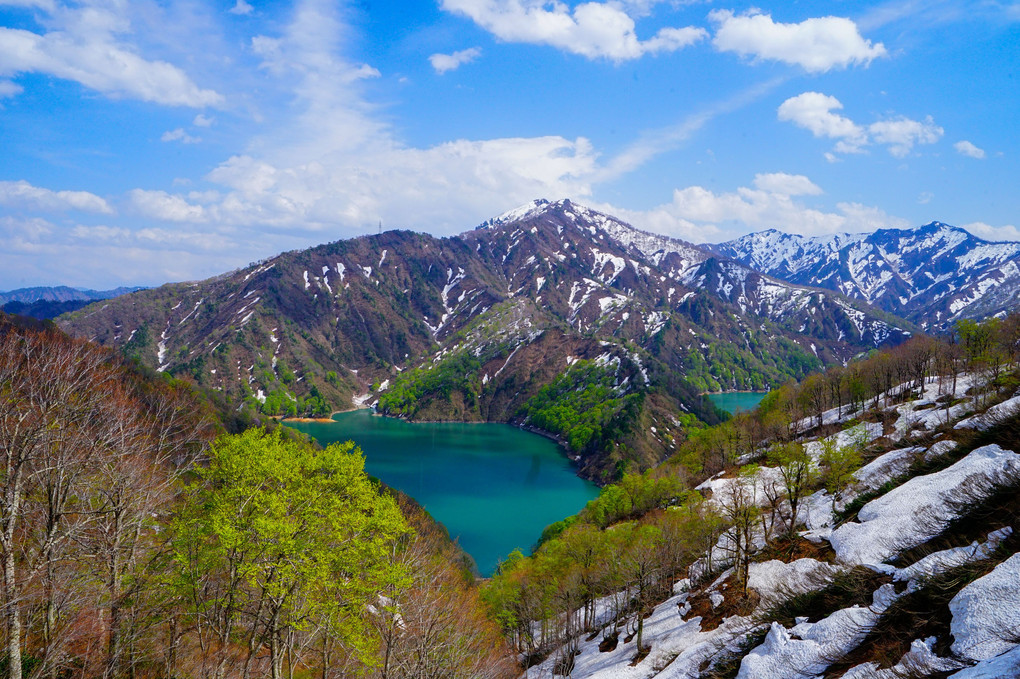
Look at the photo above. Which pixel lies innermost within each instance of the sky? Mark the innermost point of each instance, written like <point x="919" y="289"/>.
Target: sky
<point x="146" y="141"/>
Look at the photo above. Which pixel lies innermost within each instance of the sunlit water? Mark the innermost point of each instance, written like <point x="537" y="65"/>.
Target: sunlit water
<point x="494" y="487"/>
<point x="735" y="401"/>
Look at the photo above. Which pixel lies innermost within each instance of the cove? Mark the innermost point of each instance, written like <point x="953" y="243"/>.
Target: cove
<point x="494" y="486"/>
<point x="735" y="401"/>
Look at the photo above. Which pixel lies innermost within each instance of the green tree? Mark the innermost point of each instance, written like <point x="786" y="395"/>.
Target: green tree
<point x="281" y="540"/>
<point x="797" y="471"/>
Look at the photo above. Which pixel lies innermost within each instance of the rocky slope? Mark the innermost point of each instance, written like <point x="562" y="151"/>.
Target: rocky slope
<point x="474" y="327"/>
<point x="932" y="275"/>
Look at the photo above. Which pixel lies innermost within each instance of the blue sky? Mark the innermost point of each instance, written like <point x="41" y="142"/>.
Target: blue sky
<point x="146" y="142"/>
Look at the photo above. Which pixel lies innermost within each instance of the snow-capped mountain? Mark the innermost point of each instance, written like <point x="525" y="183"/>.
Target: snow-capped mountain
<point x="473" y="327"/>
<point x="932" y="275"/>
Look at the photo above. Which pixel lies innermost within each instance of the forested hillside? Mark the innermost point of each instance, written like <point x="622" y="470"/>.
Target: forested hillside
<point x="140" y="540"/>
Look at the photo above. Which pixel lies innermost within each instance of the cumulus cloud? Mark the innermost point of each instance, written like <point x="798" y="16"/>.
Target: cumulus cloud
<point x="241" y="8"/>
<point x="968" y="149"/>
<point x="85" y="48"/>
<point x="901" y="134"/>
<point x="786" y="184"/>
<point x="333" y="165"/>
<point x="592" y="29"/>
<point x="21" y="194"/>
<point x="701" y="215"/>
<point x="202" y="120"/>
<point x="1008" y="232"/>
<point x="450" y="62"/>
<point x="814" y="111"/>
<point x="164" y="206"/>
<point x="816" y="45"/>
<point x="179" y="135"/>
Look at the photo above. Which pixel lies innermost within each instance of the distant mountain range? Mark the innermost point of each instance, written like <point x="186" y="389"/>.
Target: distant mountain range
<point x="50" y="302"/>
<point x="933" y="275"/>
<point x="525" y="319"/>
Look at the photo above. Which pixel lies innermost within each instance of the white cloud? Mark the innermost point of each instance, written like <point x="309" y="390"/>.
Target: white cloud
<point x="164" y="206"/>
<point x="902" y="133"/>
<point x="593" y="29"/>
<point x="968" y="149"/>
<point x="202" y="120"/>
<point x="449" y="62"/>
<point x="10" y="89"/>
<point x="813" y="111"/>
<point x="21" y="194"/>
<point x="816" y="45"/>
<point x="179" y="135"/>
<point x="84" y="47"/>
<point x="729" y="214"/>
<point x="241" y="8"/>
<point x="1008" y="232"/>
<point x="786" y="184"/>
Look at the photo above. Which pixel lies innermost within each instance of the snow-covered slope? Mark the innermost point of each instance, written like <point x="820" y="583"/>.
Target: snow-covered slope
<point x="964" y="594"/>
<point x="931" y="275"/>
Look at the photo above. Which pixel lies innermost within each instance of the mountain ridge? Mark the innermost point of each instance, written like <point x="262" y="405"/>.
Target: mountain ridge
<point x="487" y="320"/>
<point x="932" y="275"/>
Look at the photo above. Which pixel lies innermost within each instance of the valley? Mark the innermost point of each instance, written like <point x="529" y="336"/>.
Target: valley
<point x="840" y="503"/>
<point x="492" y="486"/>
<point x="549" y="300"/>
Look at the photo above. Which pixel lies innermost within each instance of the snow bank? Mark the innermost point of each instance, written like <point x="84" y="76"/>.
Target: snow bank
<point x="915" y="512"/>
<point x="940" y="448"/>
<point x="920" y="660"/>
<point x="678" y="648"/>
<point x="986" y="613"/>
<point x="775" y="581"/>
<point x="942" y="561"/>
<point x="886" y="466"/>
<point x="809" y="648"/>
<point x="993" y="416"/>
<point x="1005" y="665"/>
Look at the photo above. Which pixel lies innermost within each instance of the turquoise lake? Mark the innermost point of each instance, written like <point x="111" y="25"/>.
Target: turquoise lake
<point x="735" y="401"/>
<point x="494" y="487"/>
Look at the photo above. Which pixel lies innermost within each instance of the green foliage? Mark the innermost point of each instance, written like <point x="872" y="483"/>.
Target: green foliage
<point x="457" y="373"/>
<point x="303" y="534"/>
<point x="582" y="406"/>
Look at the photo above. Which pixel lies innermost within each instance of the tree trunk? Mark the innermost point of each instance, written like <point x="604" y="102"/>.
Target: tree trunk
<point x="13" y="617"/>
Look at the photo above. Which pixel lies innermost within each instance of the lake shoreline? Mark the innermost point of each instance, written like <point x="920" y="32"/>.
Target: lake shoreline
<point x="494" y="488"/>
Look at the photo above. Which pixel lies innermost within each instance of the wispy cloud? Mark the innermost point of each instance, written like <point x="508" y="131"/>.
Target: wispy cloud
<point x="87" y="45"/>
<point x="21" y="194"/>
<point x="653" y="143"/>
<point x="966" y="148"/>
<point x="179" y="135"/>
<point x="450" y="62"/>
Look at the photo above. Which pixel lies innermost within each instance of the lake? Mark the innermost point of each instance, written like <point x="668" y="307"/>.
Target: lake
<point x="735" y="401"/>
<point x="494" y="487"/>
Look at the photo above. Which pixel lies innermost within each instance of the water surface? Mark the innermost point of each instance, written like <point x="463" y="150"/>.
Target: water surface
<point x="494" y="487"/>
<point x="735" y="401"/>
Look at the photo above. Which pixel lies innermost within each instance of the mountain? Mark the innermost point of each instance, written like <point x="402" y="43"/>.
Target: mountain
<point x="932" y="275"/>
<point x="553" y="316"/>
<point x="50" y="302"/>
<point x="61" y="293"/>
